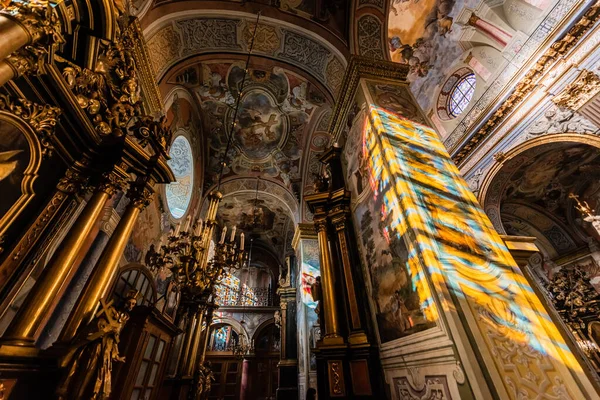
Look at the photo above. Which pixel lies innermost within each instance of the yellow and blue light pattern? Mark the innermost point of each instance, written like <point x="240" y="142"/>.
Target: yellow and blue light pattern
<point x="449" y="236"/>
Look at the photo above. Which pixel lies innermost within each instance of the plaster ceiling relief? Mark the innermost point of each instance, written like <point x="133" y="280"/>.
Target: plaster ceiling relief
<point x="270" y="130"/>
<point x="171" y="41"/>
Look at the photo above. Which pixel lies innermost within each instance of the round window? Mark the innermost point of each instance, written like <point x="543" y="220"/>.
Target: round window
<point x="456" y="94"/>
<point x="179" y="193"/>
<point x="461" y="95"/>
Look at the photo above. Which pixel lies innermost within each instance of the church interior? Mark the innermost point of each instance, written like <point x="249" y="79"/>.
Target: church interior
<point x="299" y="199"/>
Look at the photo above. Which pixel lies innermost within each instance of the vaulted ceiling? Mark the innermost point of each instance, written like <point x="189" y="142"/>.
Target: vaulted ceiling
<point x="198" y="51"/>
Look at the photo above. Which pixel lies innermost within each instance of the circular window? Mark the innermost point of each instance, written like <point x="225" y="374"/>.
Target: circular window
<point x="456" y="94"/>
<point x="461" y="95"/>
<point x="179" y="193"/>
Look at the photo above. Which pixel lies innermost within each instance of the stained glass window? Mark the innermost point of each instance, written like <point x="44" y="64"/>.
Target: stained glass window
<point x="461" y="95"/>
<point x="179" y="193"/>
<point x="231" y="292"/>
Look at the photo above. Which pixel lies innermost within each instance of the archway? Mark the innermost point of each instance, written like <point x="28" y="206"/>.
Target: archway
<point x="539" y="190"/>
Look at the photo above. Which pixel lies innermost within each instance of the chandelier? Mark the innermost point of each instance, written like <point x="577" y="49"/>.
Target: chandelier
<point x="192" y="256"/>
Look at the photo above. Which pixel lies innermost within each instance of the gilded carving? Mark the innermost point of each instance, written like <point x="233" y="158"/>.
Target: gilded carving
<point x="579" y="92"/>
<point x="41" y="118"/>
<point x="113" y="181"/>
<point x="37" y="16"/>
<point x="141" y="195"/>
<point x="336" y="381"/>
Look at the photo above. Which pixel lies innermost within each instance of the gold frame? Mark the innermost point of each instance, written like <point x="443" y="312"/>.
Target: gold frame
<point x="29" y="175"/>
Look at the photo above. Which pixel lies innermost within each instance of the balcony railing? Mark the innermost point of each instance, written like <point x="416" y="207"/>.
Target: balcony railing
<point x="247" y="297"/>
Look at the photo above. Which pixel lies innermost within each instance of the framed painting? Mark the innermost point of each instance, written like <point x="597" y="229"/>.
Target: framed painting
<point x="20" y="158"/>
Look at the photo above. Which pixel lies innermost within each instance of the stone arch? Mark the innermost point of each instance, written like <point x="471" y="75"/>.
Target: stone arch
<point x="495" y="181"/>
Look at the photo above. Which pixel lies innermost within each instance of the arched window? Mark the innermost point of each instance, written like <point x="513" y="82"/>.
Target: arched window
<point x="461" y="95"/>
<point x="179" y="193"/>
<point x="135" y="278"/>
<point x="222" y="338"/>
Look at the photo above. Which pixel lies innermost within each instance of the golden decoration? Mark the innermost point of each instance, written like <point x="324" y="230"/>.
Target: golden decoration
<point x="41" y="118"/>
<point x="578" y="92"/>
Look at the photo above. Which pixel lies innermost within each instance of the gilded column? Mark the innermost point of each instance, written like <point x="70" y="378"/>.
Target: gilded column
<point x="210" y="309"/>
<point x="39" y="303"/>
<point x="187" y="342"/>
<point x="140" y="196"/>
<point x="23" y="24"/>
<point x="332" y="331"/>
<point x="196" y="336"/>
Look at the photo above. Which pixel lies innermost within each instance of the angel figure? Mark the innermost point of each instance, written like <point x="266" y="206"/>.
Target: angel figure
<point x="94" y="349"/>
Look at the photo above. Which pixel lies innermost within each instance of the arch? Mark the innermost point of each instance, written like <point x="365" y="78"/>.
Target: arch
<point x="260" y="328"/>
<point x="22" y="157"/>
<point x="493" y="184"/>
<point x="223" y="320"/>
<point x="135" y="276"/>
<point x="164" y="35"/>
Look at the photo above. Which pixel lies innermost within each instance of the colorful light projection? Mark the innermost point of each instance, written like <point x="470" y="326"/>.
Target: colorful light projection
<point x="450" y="235"/>
<point x="309" y="250"/>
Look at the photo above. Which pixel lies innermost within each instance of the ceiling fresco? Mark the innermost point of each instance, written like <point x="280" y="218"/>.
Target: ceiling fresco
<point x="271" y="122"/>
<point x="264" y="218"/>
<point x="535" y="188"/>
<point x="423" y="35"/>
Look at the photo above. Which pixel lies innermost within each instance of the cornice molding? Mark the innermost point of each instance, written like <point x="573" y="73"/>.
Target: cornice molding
<point x="531" y="80"/>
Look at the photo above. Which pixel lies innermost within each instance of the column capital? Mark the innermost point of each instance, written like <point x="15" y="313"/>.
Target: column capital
<point x="36" y="17"/>
<point x="320" y="224"/>
<point x="114" y="180"/>
<point x="76" y="178"/>
<point x="141" y="193"/>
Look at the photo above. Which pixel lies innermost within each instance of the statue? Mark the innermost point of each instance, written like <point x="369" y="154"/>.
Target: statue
<point x="317" y="295"/>
<point x="277" y="318"/>
<point x="204" y="380"/>
<point x="89" y="360"/>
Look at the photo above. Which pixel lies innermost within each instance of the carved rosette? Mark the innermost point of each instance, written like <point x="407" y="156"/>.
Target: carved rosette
<point x="41" y="118"/>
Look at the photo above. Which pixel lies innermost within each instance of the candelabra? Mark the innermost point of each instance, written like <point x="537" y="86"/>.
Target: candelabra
<point x="189" y="253"/>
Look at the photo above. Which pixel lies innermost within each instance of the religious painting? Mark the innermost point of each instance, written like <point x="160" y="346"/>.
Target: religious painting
<point x="397" y="99"/>
<point x="309" y="270"/>
<point x="17" y="168"/>
<point x="260" y="125"/>
<point x="270" y="123"/>
<point x="397" y="303"/>
<point x="423" y="34"/>
<point x="393" y="276"/>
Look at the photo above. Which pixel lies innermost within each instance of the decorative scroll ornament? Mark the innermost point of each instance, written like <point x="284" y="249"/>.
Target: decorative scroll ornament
<point x="41" y="118"/>
<point x="579" y="92"/>
<point x="146" y="130"/>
